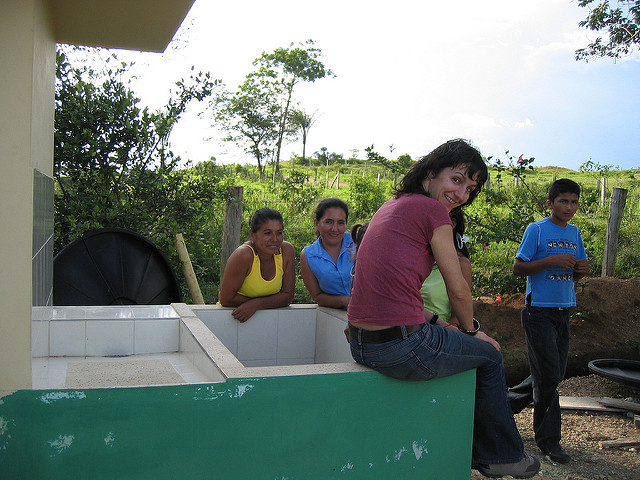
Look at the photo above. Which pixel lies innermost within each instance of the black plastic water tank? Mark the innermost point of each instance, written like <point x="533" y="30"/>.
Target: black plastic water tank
<point x="618" y="370"/>
<point x="113" y="266"/>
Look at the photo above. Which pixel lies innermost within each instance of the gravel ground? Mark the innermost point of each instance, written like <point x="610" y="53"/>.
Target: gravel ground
<point x="582" y="432"/>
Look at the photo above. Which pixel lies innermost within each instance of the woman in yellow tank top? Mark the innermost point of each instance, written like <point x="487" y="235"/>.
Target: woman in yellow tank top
<point x="260" y="273"/>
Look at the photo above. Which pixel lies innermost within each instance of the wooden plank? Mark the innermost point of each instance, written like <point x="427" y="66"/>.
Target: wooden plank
<point x="621" y="442"/>
<point x="622" y="404"/>
<point x="586" y="403"/>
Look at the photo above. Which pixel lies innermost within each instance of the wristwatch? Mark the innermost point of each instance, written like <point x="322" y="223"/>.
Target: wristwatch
<point x="434" y="319"/>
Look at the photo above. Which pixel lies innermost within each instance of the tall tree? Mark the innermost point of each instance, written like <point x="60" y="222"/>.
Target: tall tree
<point x="250" y="117"/>
<point x="622" y="24"/>
<point x="284" y="69"/>
<point x="303" y="121"/>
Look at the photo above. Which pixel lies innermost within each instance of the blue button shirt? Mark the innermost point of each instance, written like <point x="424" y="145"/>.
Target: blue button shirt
<point x="333" y="277"/>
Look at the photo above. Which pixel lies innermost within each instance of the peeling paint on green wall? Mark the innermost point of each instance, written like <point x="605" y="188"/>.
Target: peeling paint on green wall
<point x="352" y="426"/>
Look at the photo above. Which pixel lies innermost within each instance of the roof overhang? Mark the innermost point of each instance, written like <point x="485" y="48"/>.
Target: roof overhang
<point x="146" y="25"/>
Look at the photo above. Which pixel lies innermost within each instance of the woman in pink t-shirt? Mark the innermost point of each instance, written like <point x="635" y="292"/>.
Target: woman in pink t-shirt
<point x="389" y="329"/>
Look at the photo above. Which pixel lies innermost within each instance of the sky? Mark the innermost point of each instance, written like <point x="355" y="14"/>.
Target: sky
<point x="411" y="75"/>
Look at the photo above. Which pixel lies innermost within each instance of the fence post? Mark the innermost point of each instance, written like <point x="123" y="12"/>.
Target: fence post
<point x="487" y="184"/>
<point x="602" y="183"/>
<point x="618" y="200"/>
<point x="231" y="225"/>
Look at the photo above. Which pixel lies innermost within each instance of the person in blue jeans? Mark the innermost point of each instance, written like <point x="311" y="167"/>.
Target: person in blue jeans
<point x="389" y="329"/>
<point x="553" y="258"/>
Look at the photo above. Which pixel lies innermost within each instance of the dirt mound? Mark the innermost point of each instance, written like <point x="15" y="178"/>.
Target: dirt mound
<point x="605" y="324"/>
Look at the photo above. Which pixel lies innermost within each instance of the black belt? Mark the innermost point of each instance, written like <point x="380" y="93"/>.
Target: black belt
<point x="382" y="336"/>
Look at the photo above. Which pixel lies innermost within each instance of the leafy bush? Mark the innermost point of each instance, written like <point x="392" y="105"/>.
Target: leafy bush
<point x="492" y="269"/>
<point x="366" y="197"/>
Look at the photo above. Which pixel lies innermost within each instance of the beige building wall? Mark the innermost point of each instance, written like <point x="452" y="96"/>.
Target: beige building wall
<point x="27" y="57"/>
<point x="29" y="30"/>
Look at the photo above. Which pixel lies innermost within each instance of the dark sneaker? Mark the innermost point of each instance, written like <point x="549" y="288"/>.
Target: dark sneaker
<point x="525" y="468"/>
<point x="557" y="454"/>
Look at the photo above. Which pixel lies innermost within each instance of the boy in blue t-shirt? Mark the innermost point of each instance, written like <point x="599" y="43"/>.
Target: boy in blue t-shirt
<point x="553" y="258"/>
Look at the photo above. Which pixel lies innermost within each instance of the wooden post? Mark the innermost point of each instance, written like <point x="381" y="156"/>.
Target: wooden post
<point x="487" y="184"/>
<point x="231" y="226"/>
<point x="603" y="191"/>
<point x="516" y="181"/>
<point x="187" y="270"/>
<point x="618" y="200"/>
<point x="338" y="182"/>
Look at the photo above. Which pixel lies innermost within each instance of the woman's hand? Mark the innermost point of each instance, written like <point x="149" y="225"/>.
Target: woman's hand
<point x="245" y="311"/>
<point x="490" y="340"/>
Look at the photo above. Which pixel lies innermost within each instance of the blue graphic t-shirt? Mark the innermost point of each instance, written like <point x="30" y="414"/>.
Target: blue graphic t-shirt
<point x="551" y="287"/>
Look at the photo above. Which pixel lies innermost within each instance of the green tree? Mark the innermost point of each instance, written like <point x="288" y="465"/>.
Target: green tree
<point x="324" y="157"/>
<point x="395" y="167"/>
<point x="112" y="164"/>
<point x="596" y="169"/>
<point x="405" y="161"/>
<point x="303" y="121"/>
<point x="622" y="24"/>
<point x="282" y="70"/>
<point x="250" y="117"/>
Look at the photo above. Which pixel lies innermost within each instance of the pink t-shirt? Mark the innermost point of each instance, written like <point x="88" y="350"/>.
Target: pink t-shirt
<point x="393" y="261"/>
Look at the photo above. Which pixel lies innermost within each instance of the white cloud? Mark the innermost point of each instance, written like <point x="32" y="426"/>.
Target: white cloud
<point x="527" y="123"/>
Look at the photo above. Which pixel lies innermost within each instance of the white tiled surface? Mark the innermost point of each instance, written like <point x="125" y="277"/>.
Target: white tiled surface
<point x="299" y="336"/>
<point x="106" y="338"/>
<point x="103" y="312"/>
<point x="104" y="331"/>
<point x="40" y="339"/>
<point x="283" y="336"/>
<point x="331" y="343"/>
<point x="156" y="336"/>
<point x="296" y="336"/>
<point x="67" y="337"/>
<point x="51" y="372"/>
<point x="223" y="326"/>
<point x="258" y="337"/>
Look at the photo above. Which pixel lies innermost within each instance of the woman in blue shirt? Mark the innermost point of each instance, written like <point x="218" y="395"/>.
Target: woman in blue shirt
<point x="326" y="264"/>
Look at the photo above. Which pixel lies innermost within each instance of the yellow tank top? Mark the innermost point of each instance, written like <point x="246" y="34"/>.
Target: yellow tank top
<point x="256" y="286"/>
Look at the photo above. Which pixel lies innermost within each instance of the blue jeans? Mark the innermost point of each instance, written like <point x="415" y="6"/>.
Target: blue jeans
<point x="435" y="352"/>
<point x="547" y="332"/>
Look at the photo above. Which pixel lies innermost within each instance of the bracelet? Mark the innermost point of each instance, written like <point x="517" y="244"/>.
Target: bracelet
<point x="476" y="328"/>
<point x="434" y="319"/>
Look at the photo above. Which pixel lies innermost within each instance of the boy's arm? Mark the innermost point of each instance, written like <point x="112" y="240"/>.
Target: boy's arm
<point x="581" y="269"/>
<point x="522" y="268"/>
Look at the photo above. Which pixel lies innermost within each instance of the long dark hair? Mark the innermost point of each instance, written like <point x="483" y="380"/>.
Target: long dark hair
<point x="327" y="203"/>
<point x="261" y="216"/>
<point x="358" y="231"/>
<point x="331" y="202"/>
<point x="458" y="232"/>
<point x="450" y="154"/>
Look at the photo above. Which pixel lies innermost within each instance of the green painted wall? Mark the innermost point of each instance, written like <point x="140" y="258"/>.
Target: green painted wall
<point x="348" y="426"/>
